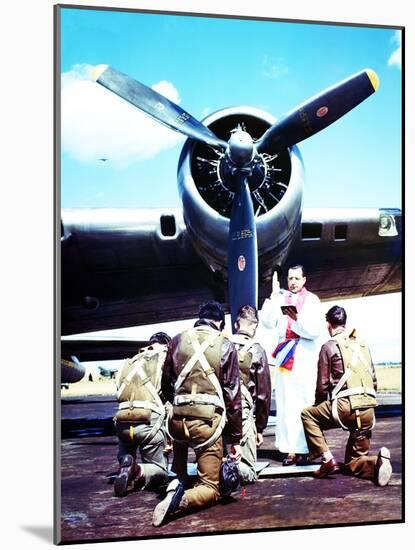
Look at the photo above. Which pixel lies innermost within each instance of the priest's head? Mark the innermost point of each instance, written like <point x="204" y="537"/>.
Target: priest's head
<point x="296" y="278"/>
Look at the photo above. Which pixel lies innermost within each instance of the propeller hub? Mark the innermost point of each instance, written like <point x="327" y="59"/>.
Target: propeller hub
<point x="241" y="147"/>
<point x="254" y="171"/>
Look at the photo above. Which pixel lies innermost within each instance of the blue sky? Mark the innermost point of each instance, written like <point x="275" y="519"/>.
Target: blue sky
<point x="206" y="64"/>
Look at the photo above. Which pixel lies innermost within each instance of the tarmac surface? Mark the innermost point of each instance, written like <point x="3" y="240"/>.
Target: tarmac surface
<point x="90" y="512"/>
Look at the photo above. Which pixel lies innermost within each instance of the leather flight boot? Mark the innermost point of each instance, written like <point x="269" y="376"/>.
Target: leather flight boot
<point x="383" y="468"/>
<point x="327" y="469"/>
<point x="290" y="460"/>
<point x="303" y="460"/>
<point x="171" y="503"/>
<point x="125" y="476"/>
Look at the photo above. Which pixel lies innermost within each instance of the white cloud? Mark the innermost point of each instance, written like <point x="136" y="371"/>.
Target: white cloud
<point x="273" y="68"/>
<point x="396" y="56"/>
<point x="98" y="124"/>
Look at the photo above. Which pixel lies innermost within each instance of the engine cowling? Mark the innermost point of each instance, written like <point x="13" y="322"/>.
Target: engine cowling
<point x="276" y="188"/>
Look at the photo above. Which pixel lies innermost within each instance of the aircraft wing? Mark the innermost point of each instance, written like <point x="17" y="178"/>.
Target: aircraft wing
<point x="96" y="348"/>
<point x="127" y="267"/>
<point x="350" y="252"/>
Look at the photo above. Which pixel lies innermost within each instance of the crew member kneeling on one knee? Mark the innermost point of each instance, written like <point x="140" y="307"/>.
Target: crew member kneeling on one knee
<point x="201" y="380"/>
<point x="255" y="390"/>
<point x="345" y="397"/>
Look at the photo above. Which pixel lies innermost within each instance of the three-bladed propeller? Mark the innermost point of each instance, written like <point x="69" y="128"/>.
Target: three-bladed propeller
<point x="240" y="156"/>
<point x="318" y="112"/>
<point x="155" y="105"/>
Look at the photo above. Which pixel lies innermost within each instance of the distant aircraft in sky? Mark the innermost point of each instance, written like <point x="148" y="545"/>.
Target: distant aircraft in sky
<point x="240" y="180"/>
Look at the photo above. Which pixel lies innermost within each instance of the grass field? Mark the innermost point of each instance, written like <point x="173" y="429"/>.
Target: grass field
<point x="389" y="380"/>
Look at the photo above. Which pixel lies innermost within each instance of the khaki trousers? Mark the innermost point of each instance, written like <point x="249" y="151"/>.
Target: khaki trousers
<point x="206" y="489"/>
<point x="319" y="418"/>
<point x="154" y="461"/>
<point x="247" y="465"/>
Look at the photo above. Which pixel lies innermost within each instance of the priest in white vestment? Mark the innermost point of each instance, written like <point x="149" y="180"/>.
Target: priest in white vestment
<point x="295" y="351"/>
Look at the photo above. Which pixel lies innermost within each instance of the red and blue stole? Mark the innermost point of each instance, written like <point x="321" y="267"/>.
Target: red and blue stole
<point x="284" y="352"/>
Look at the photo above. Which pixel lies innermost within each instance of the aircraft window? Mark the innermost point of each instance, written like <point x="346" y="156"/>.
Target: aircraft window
<point x="311" y="230"/>
<point x="340" y="232"/>
<point x="168" y="225"/>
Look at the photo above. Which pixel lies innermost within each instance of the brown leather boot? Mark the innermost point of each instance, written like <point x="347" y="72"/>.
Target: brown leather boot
<point x="125" y="477"/>
<point x="290" y="459"/>
<point x="327" y="469"/>
<point x="383" y="468"/>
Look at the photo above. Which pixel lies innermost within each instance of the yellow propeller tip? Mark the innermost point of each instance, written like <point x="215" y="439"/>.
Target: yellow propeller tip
<point x="374" y="79"/>
<point x="97" y="71"/>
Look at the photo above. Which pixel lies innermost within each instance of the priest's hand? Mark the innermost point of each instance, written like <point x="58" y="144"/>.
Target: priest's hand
<point x="275" y="285"/>
<point x="235" y="452"/>
<point x="259" y="439"/>
<point x="292" y="314"/>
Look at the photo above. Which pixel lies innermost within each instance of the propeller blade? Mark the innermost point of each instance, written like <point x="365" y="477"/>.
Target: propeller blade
<point x="155" y="105"/>
<point x="242" y="251"/>
<point x="318" y="112"/>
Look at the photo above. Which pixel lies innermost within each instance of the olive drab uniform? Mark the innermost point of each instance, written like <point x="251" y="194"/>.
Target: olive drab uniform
<point x="247" y="465"/>
<point x="256" y="400"/>
<point x="350" y="402"/>
<point x="357" y="378"/>
<point x="198" y="393"/>
<point x="139" y="421"/>
<point x="193" y="382"/>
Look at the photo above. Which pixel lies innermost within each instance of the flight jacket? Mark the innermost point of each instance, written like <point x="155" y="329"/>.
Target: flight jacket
<point x="330" y="370"/>
<point x="229" y="380"/>
<point x="259" y="384"/>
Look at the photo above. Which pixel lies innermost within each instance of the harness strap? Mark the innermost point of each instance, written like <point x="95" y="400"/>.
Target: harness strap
<point x="354" y="391"/>
<point x="146" y="381"/>
<point x="156" y="427"/>
<point x="357" y="355"/>
<point x="129" y="377"/>
<point x="337" y="393"/>
<point x="156" y="408"/>
<point x="347" y="374"/>
<point x="359" y="390"/>
<point x="346" y="393"/>
<point x="243" y="345"/>
<point x="150" y="386"/>
<point x="199" y="356"/>
<point x="141" y="405"/>
<point x="336" y="417"/>
<point x="198" y="399"/>
<point x="216" y="434"/>
<point x="208" y="370"/>
<point x="159" y="370"/>
<point x="205" y="444"/>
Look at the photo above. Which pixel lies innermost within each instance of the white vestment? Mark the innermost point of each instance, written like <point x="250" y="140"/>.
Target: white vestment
<point x="294" y="389"/>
